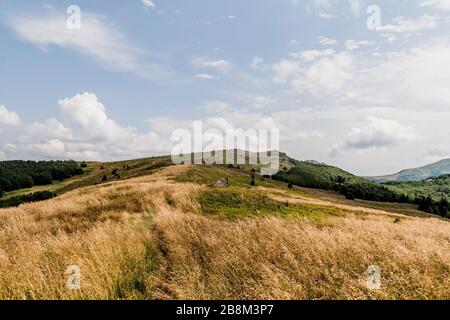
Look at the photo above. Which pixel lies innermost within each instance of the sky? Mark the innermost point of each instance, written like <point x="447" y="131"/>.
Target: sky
<point x="361" y="85"/>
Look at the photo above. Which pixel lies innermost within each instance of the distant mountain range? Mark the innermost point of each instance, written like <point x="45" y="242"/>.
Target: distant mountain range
<point x="432" y="170"/>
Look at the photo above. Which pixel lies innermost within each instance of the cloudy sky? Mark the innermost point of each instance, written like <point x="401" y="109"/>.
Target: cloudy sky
<point x="372" y="98"/>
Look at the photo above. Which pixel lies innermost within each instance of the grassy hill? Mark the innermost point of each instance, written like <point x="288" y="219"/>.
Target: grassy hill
<point x="94" y="173"/>
<point x="169" y="234"/>
<point x="312" y="174"/>
<point x="432" y="170"/>
<point x="307" y="174"/>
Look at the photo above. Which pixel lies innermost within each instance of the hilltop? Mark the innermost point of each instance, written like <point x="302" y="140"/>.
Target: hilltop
<point x="432" y="170"/>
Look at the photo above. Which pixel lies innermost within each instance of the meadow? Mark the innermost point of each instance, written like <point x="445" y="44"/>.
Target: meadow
<point x="169" y="235"/>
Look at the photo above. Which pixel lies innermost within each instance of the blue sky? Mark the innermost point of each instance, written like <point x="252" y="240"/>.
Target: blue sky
<point x="370" y="100"/>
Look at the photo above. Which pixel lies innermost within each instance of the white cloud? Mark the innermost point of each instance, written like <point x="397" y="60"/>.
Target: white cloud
<point x="330" y="8"/>
<point x="148" y="4"/>
<point x="205" y="76"/>
<point x="96" y="39"/>
<point x="262" y="102"/>
<point x="89" y="113"/>
<point x="256" y="63"/>
<point x="310" y="55"/>
<point x="438" y="4"/>
<point x="413" y="79"/>
<point x="402" y="24"/>
<point x="8" y="117"/>
<point x="284" y="70"/>
<point x="325" y="15"/>
<point x="321" y="73"/>
<point x="217" y="65"/>
<point x="353" y="45"/>
<point x="51" y="128"/>
<point x="87" y="134"/>
<point x="327" y="41"/>
<point x="378" y="133"/>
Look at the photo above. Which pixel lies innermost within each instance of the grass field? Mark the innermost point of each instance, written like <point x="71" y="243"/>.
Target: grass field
<point x="169" y="235"/>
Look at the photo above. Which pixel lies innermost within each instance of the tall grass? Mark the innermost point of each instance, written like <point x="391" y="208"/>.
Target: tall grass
<point x="147" y="238"/>
<point x="272" y="258"/>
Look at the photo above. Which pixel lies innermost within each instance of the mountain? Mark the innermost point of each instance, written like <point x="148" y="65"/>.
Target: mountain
<point x="432" y="170"/>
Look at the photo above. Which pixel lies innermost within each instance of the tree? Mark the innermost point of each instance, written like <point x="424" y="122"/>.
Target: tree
<point x="444" y="207"/>
<point x="349" y="195"/>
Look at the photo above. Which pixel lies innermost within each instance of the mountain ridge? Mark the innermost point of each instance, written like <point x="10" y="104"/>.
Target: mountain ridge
<point x="434" y="169"/>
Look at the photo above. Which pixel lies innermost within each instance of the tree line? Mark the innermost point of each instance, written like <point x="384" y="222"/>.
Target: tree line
<point x="367" y="190"/>
<point x="16" y="175"/>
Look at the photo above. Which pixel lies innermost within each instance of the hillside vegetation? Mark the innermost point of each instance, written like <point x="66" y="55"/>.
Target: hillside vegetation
<point x="84" y="174"/>
<point x="432" y="170"/>
<point x="170" y="235"/>
<point x="26" y="174"/>
<point x="437" y="187"/>
<point x="431" y="196"/>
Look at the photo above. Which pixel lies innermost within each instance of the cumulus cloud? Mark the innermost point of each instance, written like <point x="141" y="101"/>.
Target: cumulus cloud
<point x="320" y="73"/>
<point x="90" y="114"/>
<point x="86" y="134"/>
<point x="50" y="128"/>
<point x="148" y="4"/>
<point x="8" y="117"/>
<point x="96" y="39"/>
<point x="415" y="78"/>
<point x="378" y="133"/>
<point x="327" y="41"/>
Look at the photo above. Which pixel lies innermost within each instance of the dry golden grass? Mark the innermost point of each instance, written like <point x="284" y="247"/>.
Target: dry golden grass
<point x="146" y="238"/>
<point x="105" y="230"/>
<point x="272" y="258"/>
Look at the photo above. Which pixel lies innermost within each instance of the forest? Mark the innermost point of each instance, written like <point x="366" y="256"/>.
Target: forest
<point x="16" y="175"/>
<point x="330" y="178"/>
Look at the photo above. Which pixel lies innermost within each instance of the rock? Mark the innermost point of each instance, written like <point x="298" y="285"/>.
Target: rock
<point x="221" y="183"/>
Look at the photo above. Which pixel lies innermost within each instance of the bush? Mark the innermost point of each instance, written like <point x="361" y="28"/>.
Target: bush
<point x="33" y="197"/>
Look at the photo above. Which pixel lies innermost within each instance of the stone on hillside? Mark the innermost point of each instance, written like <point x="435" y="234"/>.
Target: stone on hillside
<point x="221" y="183"/>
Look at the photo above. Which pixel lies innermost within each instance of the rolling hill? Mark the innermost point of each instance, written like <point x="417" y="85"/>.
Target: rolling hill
<point x="307" y="174"/>
<point x="432" y="170"/>
<point x="161" y="231"/>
